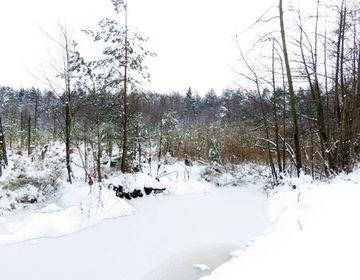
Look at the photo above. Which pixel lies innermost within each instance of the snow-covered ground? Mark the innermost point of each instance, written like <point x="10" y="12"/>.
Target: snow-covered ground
<point x="36" y="200"/>
<point x="314" y="235"/>
<point x="50" y="229"/>
<point x="167" y="237"/>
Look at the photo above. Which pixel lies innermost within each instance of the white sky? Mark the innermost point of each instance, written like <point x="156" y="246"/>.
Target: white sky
<point x="193" y="38"/>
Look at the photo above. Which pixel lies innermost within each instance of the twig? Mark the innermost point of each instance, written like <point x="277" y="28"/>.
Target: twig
<point x="300" y="226"/>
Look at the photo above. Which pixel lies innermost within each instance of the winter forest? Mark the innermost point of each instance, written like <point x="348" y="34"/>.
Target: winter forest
<point x="102" y="177"/>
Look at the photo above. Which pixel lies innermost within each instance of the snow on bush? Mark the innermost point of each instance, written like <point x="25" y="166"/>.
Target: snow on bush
<point x="36" y="201"/>
<point x="235" y="175"/>
<point x="175" y="178"/>
<point x="26" y="181"/>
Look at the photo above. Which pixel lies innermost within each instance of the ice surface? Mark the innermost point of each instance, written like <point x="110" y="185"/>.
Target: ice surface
<point x="165" y="235"/>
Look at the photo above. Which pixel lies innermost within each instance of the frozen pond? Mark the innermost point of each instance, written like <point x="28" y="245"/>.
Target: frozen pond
<point x="163" y="240"/>
<point x="181" y="265"/>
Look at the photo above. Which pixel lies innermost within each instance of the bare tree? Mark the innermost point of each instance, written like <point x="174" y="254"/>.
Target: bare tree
<point x="64" y="69"/>
<point x="291" y="92"/>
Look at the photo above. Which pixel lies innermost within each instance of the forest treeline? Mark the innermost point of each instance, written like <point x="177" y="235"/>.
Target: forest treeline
<point x="300" y="114"/>
<point x="227" y="125"/>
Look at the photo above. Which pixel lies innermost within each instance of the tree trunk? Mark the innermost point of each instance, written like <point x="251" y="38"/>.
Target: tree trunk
<point x="67" y="140"/>
<point x="68" y="106"/>
<point x="124" y="163"/>
<point x="98" y="136"/>
<point x="3" y="144"/>
<point x="325" y="149"/>
<point x="291" y="93"/>
<point x="36" y="110"/>
<point x="29" y="136"/>
<point x="22" y="125"/>
<point x="276" y="121"/>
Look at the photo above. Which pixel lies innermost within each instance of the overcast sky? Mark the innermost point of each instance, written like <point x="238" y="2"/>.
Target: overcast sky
<point x="193" y="38"/>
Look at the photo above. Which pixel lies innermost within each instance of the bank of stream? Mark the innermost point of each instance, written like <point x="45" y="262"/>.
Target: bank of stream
<point x="165" y="237"/>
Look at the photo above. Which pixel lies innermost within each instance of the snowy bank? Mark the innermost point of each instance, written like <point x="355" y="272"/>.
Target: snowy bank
<point x="77" y="207"/>
<point x="315" y="235"/>
<point x="36" y="201"/>
<point x="163" y="239"/>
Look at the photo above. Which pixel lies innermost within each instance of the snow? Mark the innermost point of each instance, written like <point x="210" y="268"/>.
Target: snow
<point x="314" y="234"/>
<point x="201" y="267"/>
<point x="76" y="208"/>
<point x="163" y="239"/>
<point x="201" y="226"/>
<point x="56" y="230"/>
<point x="61" y="208"/>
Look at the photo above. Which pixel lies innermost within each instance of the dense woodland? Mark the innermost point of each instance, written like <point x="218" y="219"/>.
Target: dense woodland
<point x="297" y="111"/>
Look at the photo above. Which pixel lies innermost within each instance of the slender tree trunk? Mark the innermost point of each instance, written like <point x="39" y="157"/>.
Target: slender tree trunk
<point x="276" y="121"/>
<point x="150" y="156"/>
<point x="315" y="91"/>
<point x="22" y="125"/>
<point x="139" y="150"/>
<point x="3" y="144"/>
<point x="110" y="141"/>
<point x="99" y="150"/>
<point x="327" y="87"/>
<point x="271" y="161"/>
<point x="98" y="136"/>
<point x="54" y="126"/>
<point x="283" y="115"/>
<point x="160" y="148"/>
<point x="312" y="153"/>
<point x="29" y="136"/>
<point x="345" y="125"/>
<point x="337" y="107"/>
<point x="291" y="93"/>
<point x="87" y="177"/>
<point x="68" y="106"/>
<point x="36" y="110"/>
<point x="357" y="88"/>
<point x="357" y="98"/>
<point x="124" y="163"/>
<point x="67" y="140"/>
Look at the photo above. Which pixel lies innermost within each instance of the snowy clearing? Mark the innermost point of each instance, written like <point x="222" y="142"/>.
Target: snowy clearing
<point x="315" y="235"/>
<point x="164" y="238"/>
<point x="36" y="201"/>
